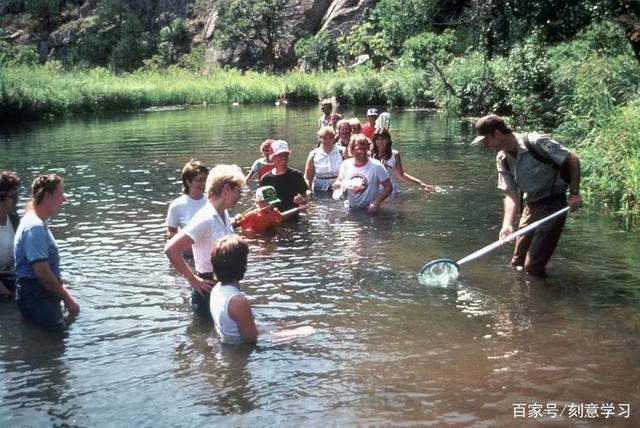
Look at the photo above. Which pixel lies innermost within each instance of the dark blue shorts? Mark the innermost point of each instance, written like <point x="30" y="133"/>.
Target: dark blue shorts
<point x="199" y="303"/>
<point x="39" y="305"/>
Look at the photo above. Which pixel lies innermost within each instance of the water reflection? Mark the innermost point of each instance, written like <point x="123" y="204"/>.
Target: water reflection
<point x="41" y="354"/>
<point x="386" y="350"/>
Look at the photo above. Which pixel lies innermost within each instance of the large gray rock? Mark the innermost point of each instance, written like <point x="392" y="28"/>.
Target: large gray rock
<point x="302" y="17"/>
<point x="344" y="14"/>
<point x="305" y="18"/>
<point x="70" y="32"/>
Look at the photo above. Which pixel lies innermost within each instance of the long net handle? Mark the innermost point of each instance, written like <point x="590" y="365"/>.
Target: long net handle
<point x="514" y="235"/>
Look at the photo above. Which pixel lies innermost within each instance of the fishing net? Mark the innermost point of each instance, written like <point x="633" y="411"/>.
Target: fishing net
<point x="441" y="272"/>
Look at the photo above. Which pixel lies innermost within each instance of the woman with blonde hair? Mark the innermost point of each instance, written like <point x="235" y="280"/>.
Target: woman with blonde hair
<point x="343" y="131"/>
<point x="40" y="289"/>
<point x="323" y="162"/>
<point x="212" y="222"/>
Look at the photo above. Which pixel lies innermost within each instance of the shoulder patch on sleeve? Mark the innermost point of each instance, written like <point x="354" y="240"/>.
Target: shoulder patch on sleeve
<point x="548" y="146"/>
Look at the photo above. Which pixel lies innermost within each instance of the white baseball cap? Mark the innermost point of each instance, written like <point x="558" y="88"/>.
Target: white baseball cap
<point x="279" y="146"/>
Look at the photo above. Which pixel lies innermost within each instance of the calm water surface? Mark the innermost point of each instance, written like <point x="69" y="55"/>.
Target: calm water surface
<point x="386" y="350"/>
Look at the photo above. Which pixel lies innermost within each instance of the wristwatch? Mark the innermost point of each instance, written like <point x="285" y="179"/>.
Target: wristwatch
<point x="574" y="191"/>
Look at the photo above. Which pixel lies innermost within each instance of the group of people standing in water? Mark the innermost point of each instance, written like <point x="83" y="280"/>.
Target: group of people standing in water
<point x="345" y="162"/>
<point x="199" y="223"/>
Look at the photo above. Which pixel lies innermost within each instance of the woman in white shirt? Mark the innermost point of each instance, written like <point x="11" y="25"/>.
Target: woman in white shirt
<point x="323" y="162"/>
<point x="390" y="158"/>
<point x="182" y="209"/>
<point x="9" y="184"/>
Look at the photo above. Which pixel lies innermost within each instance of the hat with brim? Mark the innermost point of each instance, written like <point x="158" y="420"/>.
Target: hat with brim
<point x="373" y="112"/>
<point x="478" y="140"/>
<point x="267" y="194"/>
<point x="278" y="147"/>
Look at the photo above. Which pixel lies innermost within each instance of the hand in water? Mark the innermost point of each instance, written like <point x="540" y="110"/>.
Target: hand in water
<point x="428" y="188"/>
<point x="72" y="306"/>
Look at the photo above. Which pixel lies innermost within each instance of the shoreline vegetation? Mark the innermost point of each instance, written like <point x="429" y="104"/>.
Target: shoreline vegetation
<point x="47" y="91"/>
<point x="585" y="92"/>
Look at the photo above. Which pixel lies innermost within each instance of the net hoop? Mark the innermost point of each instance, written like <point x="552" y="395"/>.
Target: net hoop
<point x="440" y="272"/>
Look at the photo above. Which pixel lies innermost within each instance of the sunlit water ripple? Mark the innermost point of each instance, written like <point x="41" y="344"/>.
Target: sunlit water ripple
<point x="385" y="349"/>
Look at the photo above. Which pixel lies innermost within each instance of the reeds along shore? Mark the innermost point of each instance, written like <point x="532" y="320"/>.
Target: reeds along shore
<point x="46" y="91"/>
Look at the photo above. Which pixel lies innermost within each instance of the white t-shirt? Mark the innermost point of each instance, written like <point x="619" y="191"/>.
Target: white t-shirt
<point x="7" y="235"/>
<point x="226" y="327"/>
<point x="182" y="209"/>
<point x="205" y="228"/>
<point x="371" y="175"/>
<point x="390" y="164"/>
<point x="326" y="167"/>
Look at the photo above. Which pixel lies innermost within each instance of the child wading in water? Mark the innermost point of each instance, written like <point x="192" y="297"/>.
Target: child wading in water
<point x="265" y="215"/>
<point x="230" y="309"/>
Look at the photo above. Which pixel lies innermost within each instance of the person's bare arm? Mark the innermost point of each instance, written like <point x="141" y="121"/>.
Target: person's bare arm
<point x="240" y="311"/>
<point x="309" y="170"/>
<point x="386" y="191"/>
<point x="171" y="232"/>
<point x="510" y="208"/>
<point x="401" y="174"/>
<point x="174" y="249"/>
<point x="575" y="201"/>
<point x="43" y="272"/>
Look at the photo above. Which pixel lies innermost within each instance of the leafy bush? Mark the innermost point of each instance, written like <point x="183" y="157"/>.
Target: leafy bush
<point x="318" y="52"/>
<point x="18" y="55"/>
<point x="195" y="59"/>
<point x="175" y="41"/>
<point x="364" y="39"/>
<point x="477" y="91"/>
<point x="526" y="75"/>
<point x="402" y="19"/>
<point x="610" y="155"/>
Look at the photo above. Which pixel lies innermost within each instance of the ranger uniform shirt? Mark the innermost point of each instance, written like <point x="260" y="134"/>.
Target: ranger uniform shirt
<point x="524" y="172"/>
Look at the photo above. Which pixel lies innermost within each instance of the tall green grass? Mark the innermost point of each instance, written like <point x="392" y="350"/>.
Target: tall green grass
<point x="43" y="91"/>
<point x="609" y="149"/>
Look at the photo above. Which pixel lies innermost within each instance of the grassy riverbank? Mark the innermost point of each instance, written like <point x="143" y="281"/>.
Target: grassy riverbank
<point x="47" y="91"/>
<point x="586" y="92"/>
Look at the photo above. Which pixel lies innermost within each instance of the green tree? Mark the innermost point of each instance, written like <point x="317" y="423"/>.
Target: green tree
<point x="402" y="19"/>
<point x="133" y="46"/>
<point x="365" y="40"/>
<point x="45" y="12"/>
<point x="121" y="43"/>
<point x="318" y="52"/>
<point x="175" y="41"/>
<point x="258" y="31"/>
<point x="504" y="23"/>
<point x="430" y="50"/>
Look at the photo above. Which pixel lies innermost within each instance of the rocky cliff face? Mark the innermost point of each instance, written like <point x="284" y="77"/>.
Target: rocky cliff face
<point x="306" y="17"/>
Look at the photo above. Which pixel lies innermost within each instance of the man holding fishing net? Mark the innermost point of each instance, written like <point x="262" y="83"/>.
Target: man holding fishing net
<point x="540" y="169"/>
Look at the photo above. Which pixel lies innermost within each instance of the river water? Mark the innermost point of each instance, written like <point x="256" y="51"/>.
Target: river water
<point x="490" y="350"/>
